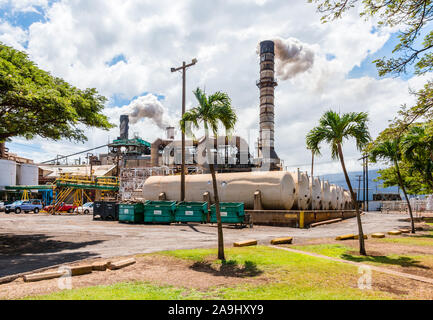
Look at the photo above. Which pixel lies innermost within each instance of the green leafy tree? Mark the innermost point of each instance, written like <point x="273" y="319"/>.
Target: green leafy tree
<point x="389" y="150"/>
<point x="412" y="180"/>
<point x="411" y="17"/>
<point x="211" y="111"/>
<point x="334" y="128"/>
<point x="34" y="103"/>
<point x="417" y="147"/>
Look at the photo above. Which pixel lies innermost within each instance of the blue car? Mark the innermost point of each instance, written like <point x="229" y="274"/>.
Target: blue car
<point x="26" y="206"/>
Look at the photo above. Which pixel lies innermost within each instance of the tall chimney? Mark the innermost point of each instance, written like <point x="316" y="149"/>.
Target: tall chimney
<point x="170" y="133"/>
<point x="124" y="127"/>
<point x="267" y="85"/>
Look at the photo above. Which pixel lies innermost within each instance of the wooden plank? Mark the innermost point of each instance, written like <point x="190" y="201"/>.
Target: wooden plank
<point x="43" y="276"/>
<point x="325" y="222"/>
<point x="245" y="243"/>
<point x="121" y="264"/>
<point x="100" y="265"/>
<point x="284" y="240"/>
<point x="80" y="270"/>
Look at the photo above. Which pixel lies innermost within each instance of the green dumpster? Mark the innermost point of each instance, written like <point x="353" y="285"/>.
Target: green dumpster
<point x="131" y="212"/>
<point x="231" y="212"/>
<point x="191" y="212"/>
<point x="159" y="211"/>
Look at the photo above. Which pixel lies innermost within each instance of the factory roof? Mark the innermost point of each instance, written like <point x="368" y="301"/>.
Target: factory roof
<point x="54" y="171"/>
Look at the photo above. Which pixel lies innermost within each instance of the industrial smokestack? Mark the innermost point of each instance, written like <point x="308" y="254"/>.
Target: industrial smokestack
<point x="124" y="127"/>
<point x="170" y="133"/>
<point x="267" y="86"/>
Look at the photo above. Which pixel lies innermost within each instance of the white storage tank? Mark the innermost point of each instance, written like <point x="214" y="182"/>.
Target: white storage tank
<point x="326" y="195"/>
<point x="8" y="173"/>
<point x="316" y="188"/>
<point x="277" y="188"/>
<point x="340" y="198"/>
<point x="302" y="182"/>
<point x="27" y="174"/>
<point x="333" y="203"/>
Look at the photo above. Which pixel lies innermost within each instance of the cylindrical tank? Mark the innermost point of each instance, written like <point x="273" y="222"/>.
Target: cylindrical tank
<point x="302" y="196"/>
<point x="333" y="203"/>
<point x="277" y="188"/>
<point x="27" y="174"/>
<point x="348" y="200"/>
<point x="316" y="189"/>
<point x="8" y="173"/>
<point x="326" y="195"/>
<point x="340" y="200"/>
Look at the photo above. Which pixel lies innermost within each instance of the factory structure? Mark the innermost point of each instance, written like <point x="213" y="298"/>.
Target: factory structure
<point x="141" y="170"/>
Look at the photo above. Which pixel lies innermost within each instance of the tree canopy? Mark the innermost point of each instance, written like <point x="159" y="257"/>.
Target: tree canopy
<point x="411" y="17"/>
<point x="35" y="103"/>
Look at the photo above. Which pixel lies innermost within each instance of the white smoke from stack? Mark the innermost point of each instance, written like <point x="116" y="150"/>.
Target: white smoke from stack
<point x="292" y="58"/>
<point x="148" y="107"/>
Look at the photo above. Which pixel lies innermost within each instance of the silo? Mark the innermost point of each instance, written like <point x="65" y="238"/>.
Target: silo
<point x="8" y="173"/>
<point x="333" y="204"/>
<point x="27" y="174"/>
<point x="316" y="188"/>
<point x="277" y="188"/>
<point x="326" y="195"/>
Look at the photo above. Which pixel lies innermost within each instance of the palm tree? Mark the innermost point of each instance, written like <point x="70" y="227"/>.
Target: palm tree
<point x="211" y="111"/>
<point x="333" y="129"/>
<point x="389" y="150"/>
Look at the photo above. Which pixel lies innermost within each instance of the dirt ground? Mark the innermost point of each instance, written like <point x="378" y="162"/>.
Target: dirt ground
<point x="161" y="270"/>
<point x="29" y="242"/>
<point x="164" y="270"/>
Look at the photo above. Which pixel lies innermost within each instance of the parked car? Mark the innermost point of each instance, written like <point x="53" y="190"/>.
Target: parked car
<point x="86" y="208"/>
<point x="63" y="207"/>
<point x="34" y="205"/>
<point x="2" y="206"/>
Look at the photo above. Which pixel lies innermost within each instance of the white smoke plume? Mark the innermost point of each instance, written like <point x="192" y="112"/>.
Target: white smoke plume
<point x="292" y="57"/>
<point x="148" y="107"/>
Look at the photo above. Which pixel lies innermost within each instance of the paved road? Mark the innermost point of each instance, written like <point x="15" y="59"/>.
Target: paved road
<point x="29" y="242"/>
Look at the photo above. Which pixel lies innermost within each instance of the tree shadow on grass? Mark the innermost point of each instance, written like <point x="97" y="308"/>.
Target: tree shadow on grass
<point x="400" y="261"/>
<point x="228" y="268"/>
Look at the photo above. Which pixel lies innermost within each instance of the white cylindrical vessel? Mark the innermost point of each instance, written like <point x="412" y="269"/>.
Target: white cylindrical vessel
<point x="333" y="203"/>
<point x="302" y="197"/>
<point x="326" y="195"/>
<point x="348" y="200"/>
<point x="340" y="198"/>
<point x="277" y="188"/>
<point x="316" y="188"/>
<point x="27" y="174"/>
<point x="8" y="173"/>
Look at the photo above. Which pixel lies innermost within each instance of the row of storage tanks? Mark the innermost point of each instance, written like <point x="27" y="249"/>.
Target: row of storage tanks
<point x="13" y="173"/>
<point x="280" y="190"/>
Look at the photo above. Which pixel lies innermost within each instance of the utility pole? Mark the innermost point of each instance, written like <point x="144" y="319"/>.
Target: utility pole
<point x="312" y="179"/>
<point x="359" y="188"/>
<point x="183" y="69"/>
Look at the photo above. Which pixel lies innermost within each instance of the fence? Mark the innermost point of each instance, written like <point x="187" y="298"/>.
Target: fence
<point x="418" y="206"/>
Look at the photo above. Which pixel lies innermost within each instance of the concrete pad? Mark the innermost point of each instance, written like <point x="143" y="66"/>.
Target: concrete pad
<point x="404" y="230"/>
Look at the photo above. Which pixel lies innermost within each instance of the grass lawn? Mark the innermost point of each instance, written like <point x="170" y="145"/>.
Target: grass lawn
<point x="416" y="240"/>
<point x="258" y="272"/>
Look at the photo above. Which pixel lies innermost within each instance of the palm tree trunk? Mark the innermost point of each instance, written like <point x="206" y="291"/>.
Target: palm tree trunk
<point x="210" y="160"/>
<point x="358" y="214"/>
<point x="218" y="214"/>
<point x="400" y="180"/>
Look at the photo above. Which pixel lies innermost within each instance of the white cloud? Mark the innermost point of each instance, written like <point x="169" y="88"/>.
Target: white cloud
<point x="79" y="37"/>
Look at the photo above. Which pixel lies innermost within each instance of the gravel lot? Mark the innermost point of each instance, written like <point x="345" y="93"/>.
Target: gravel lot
<point x="29" y="242"/>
